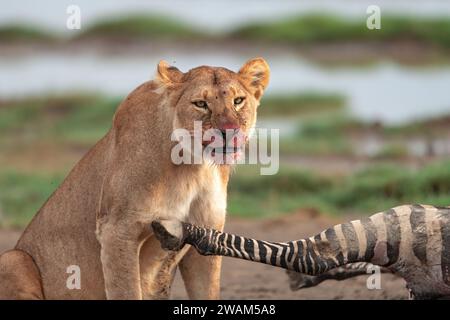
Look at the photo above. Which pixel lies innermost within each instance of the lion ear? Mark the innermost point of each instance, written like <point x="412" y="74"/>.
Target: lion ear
<point x="167" y="74"/>
<point x="256" y="74"/>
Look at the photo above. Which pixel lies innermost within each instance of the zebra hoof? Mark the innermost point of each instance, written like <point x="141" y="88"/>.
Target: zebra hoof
<point x="169" y="233"/>
<point x="299" y="281"/>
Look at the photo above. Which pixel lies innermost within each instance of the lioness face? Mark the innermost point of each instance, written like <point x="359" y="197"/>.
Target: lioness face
<point x="221" y="99"/>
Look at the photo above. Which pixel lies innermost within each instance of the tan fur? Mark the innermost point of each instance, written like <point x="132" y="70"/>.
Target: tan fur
<point x="19" y="277"/>
<point x="99" y="218"/>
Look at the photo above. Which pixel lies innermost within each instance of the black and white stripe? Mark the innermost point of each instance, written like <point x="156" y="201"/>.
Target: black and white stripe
<point x="418" y="236"/>
<point x="299" y="280"/>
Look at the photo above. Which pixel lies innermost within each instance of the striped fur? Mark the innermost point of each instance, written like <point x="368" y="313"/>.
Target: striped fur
<point x="411" y="241"/>
<point x="299" y="281"/>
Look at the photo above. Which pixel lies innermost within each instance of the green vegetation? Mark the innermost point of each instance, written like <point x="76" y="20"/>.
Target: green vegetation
<point x="83" y="119"/>
<point x="78" y="119"/>
<point x="392" y="151"/>
<point x="88" y="122"/>
<point x="326" y="28"/>
<point x="323" y="134"/>
<point x="12" y="33"/>
<point x="334" y="133"/>
<point x="325" y="127"/>
<point x="320" y="146"/>
<point x="256" y="196"/>
<point x="303" y="29"/>
<point x="141" y="27"/>
<point x="21" y="195"/>
<point x="390" y="185"/>
<point x="300" y="104"/>
<point x="429" y="127"/>
<point x="368" y="191"/>
<point x="253" y="195"/>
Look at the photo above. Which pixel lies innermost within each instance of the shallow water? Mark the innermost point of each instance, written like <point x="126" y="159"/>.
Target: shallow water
<point x="385" y="92"/>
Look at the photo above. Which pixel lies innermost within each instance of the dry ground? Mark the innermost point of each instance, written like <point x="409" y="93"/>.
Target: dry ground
<point x="246" y="280"/>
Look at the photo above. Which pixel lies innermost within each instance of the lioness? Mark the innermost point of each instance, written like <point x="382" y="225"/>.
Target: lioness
<point x="99" y="218"/>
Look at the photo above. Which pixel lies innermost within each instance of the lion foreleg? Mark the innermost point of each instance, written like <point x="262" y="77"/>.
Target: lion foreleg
<point x="157" y="268"/>
<point x="120" y="261"/>
<point x="201" y="275"/>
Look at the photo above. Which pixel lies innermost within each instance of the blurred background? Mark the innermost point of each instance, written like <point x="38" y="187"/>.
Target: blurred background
<point x="364" y="115"/>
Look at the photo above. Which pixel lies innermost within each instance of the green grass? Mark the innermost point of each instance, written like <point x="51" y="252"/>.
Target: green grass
<point x="78" y="119"/>
<point x="252" y="195"/>
<point x="314" y="28"/>
<point x="301" y="29"/>
<point x="324" y="124"/>
<point x="300" y="104"/>
<point x="329" y="133"/>
<point x="383" y="186"/>
<point x="82" y="119"/>
<point x="256" y="196"/>
<point x="22" y="194"/>
<point x="318" y="146"/>
<point x="392" y="151"/>
<point x="323" y="134"/>
<point x="436" y="125"/>
<point x="11" y="33"/>
<point x="368" y="191"/>
<point x="87" y="122"/>
<point x="145" y="27"/>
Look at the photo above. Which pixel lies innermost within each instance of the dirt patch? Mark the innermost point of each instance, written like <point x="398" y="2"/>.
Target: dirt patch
<point x="246" y="280"/>
<point x="8" y="239"/>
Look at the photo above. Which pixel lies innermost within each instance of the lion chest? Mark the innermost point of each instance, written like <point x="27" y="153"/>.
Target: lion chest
<point x="194" y="195"/>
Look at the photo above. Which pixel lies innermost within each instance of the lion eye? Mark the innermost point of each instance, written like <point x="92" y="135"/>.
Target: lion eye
<point x="238" y="101"/>
<point x="201" y="104"/>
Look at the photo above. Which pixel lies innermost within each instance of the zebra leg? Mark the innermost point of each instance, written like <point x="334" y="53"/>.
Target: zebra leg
<point x="170" y="233"/>
<point x="299" y="281"/>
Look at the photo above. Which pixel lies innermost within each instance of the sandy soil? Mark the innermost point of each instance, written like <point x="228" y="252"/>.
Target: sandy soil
<point x="246" y="280"/>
